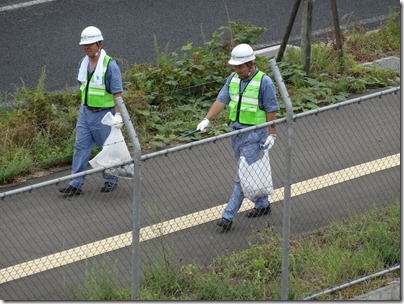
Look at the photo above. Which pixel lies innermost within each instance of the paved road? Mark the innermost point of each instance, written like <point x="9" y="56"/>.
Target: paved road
<point x="47" y="34"/>
<point x="47" y="224"/>
<point x="41" y="223"/>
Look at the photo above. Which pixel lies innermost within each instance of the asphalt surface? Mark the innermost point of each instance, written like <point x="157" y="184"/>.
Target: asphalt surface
<point x="40" y="222"/>
<point x="175" y="23"/>
<point x="47" y="34"/>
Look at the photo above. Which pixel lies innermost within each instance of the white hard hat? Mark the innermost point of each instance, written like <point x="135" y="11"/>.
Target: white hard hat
<point x="242" y="53"/>
<point x="90" y="35"/>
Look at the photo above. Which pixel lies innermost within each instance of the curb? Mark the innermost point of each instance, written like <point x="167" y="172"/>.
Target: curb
<point x="392" y="62"/>
<point x="387" y="293"/>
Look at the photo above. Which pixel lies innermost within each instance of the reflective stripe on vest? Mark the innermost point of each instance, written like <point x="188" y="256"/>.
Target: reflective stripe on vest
<point x="97" y="95"/>
<point x="248" y="109"/>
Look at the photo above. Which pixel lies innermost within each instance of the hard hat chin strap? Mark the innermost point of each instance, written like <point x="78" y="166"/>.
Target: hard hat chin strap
<point x="99" y="44"/>
<point x="250" y="68"/>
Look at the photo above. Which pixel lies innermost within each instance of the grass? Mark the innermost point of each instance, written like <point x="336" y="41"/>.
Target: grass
<point x="101" y="283"/>
<point x="347" y="249"/>
<point x="168" y="98"/>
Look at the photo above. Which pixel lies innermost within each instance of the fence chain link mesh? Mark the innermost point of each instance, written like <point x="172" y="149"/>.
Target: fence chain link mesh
<point x="345" y="160"/>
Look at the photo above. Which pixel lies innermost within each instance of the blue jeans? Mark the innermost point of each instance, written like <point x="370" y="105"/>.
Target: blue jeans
<point x="89" y="131"/>
<point x="247" y="145"/>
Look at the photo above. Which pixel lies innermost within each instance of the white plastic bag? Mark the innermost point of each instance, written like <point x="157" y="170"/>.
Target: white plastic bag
<point x="256" y="179"/>
<point x="114" y="151"/>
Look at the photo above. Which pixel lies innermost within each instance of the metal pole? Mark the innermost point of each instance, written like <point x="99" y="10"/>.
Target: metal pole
<point x="305" y="36"/>
<point x="337" y="33"/>
<point x="136" y="198"/>
<point x="289" y="28"/>
<point x="287" y="181"/>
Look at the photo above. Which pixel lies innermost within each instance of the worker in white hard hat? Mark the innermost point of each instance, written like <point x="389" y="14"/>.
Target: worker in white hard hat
<point x="251" y="97"/>
<point x="100" y="82"/>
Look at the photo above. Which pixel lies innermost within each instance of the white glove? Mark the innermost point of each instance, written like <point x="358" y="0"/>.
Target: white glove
<point x="269" y="142"/>
<point x="118" y="123"/>
<point x="203" y="124"/>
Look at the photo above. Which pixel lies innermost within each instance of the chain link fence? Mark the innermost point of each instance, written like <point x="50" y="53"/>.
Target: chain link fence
<point x="345" y="160"/>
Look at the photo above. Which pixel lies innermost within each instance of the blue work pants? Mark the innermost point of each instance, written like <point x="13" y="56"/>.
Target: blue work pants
<point x="89" y="131"/>
<point x="246" y="144"/>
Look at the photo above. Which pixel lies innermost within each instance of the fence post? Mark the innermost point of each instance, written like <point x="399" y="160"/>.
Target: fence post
<point x="287" y="181"/>
<point x="136" y="198"/>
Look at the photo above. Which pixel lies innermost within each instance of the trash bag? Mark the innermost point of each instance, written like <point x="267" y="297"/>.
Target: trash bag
<point x="256" y="179"/>
<point x="114" y="151"/>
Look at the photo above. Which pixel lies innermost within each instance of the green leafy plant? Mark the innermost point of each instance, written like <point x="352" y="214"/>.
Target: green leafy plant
<point x="168" y="98"/>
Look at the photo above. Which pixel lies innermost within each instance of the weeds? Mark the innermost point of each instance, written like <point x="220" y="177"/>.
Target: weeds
<point x="167" y="99"/>
<point x="101" y="283"/>
<point x="333" y="255"/>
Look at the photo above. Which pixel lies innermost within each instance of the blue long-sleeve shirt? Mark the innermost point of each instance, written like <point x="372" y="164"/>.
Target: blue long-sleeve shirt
<point x="266" y="99"/>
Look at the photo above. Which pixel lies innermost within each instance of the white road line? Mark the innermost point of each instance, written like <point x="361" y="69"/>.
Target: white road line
<point x="147" y="233"/>
<point x="23" y="4"/>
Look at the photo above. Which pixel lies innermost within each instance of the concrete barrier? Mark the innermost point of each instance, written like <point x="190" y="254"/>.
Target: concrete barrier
<point x="391" y="292"/>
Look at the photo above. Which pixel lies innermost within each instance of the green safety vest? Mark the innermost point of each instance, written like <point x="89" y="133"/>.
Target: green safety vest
<point x="97" y="95"/>
<point x="244" y="107"/>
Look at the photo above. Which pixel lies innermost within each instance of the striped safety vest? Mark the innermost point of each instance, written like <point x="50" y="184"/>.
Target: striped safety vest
<point x="97" y="95"/>
<point x="244" y="106"/>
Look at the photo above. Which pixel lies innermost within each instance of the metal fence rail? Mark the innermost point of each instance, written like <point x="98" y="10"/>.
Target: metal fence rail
<point x="346" y="159"/>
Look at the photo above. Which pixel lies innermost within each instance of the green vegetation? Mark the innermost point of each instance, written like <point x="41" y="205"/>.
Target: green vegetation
<point x="345" y="250"/>
<point x="168" y="98"/>
<point x="101" y="283"/>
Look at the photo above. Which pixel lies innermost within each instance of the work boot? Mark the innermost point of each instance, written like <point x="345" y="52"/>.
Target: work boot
<point x="259" y="211"/>
<point x="225" y="223"/>
<point x="109" y="187"/>
<point x="70" y="191"/>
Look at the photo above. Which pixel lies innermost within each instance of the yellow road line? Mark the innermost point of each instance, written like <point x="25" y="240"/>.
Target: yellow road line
<point x="147" y="233"/>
